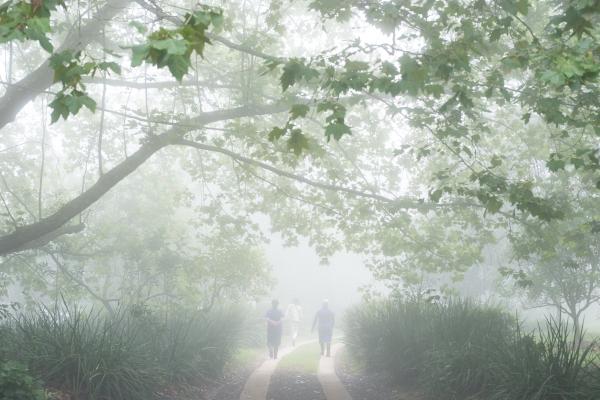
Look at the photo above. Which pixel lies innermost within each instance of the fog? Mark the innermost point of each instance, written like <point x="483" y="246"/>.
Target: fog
<point x="299" y="200"/>
<point x="298" y="273"/>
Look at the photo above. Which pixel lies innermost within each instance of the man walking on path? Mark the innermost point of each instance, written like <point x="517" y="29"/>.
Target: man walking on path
<point x="294" y="315"/>
<point x="274" y="328"/>
<point x="324" y="319"/>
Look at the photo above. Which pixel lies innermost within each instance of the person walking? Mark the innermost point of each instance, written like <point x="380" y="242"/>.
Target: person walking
<point x="274" y="328"/>
<point x="294" y="315"/>
<point x="324" y="319"/>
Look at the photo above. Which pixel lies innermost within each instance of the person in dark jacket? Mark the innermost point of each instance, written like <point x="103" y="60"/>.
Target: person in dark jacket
<point x="274" y="328"/>
<point x="324" y="319"/>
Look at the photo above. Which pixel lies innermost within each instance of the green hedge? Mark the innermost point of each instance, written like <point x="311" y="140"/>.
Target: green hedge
<point x="129" y="355"/>
<point x="464" y="350"/>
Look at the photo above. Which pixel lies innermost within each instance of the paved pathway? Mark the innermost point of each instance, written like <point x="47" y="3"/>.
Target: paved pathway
<point x="332" y="387"/>
<point x="257" y="386"/>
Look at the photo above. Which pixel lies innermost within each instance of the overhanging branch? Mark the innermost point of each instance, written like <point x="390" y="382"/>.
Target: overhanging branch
<point x="160" y="13"/>
<point x="405" y="202"/>
<point x="27" y="236"/>
<point x="157" y="84"/>
<point x="22" y="92"/>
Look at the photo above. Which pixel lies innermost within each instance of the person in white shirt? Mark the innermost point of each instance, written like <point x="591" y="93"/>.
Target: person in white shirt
<point x="294" y="315"/>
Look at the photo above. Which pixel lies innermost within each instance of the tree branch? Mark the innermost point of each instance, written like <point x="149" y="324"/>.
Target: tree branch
<point x="151" y="6"/>
<point x="24" y="236"/>
<point x="406" y="202"/>
<point x="17" y="198"/>
<point x="25" y="90"/>
<point x="80" y="282"/>
<point x="8" y="212"/>
<point x="157" y="84"/>
<point x="45" y="239"/>
<point x="43" y="162"/>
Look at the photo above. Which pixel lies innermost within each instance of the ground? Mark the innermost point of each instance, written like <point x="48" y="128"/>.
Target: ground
<point x="300" y="375"/>
<point x="296" y="376"/>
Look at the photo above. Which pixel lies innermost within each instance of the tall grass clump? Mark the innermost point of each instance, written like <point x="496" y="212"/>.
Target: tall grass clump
<point x="125" y="355"/>
<point x="463" y="350"/>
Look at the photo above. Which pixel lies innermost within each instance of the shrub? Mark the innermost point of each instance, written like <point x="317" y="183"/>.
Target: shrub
<point x="17" y="384"/>
<point x="460" y="350"/>
<point x="125" y="355"/>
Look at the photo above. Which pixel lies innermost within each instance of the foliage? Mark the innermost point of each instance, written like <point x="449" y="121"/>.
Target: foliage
<point x="458" y="136"/>
<point x="21" y="20"/>
<point x="17" y="384"/>
<point x="460" y="349"/>
<point x="558" y="263"/>
<point x="471" y="58"/>
<point x="69" y="70"/>
<point x="172" y="48"/>
<point x="128" y="355"/>
<point x="163" y="260"/>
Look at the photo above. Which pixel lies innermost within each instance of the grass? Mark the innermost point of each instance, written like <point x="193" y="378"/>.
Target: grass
<point x="246" y="356"/>
<point x="303" y="359"/>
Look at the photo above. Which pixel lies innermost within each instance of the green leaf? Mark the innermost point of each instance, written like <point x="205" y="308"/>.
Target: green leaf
<point x="292" y="72"/>
<point x="337" y="130"/>
<point x="496" y="161"/>
<point x="295" y="71"/>
<point x="178" y="65"/>
<point x="577" y="162"/>
<point x="175" y="47"/>
<point x="299" y="111"/>
<point x="555" y="164"/>
<point x="493" y="204"/>
<point x="113" y="66"/>
<point x="46" y="45"/>
<point x="523" y="6"/>
<point x="139" y="54"/>
<point x="297" y="142"/>
<point x="436" y="195"/>
<point x="59" y="107"/>
<point x="276" y="133"/>
<point x="88" y="102"/>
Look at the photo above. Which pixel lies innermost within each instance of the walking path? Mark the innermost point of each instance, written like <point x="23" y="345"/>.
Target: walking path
<point x="257" y="386"/>
<point x="332" y="386"/>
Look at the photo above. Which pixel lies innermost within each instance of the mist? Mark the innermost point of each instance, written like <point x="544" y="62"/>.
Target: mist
<point x="299" y="200"/>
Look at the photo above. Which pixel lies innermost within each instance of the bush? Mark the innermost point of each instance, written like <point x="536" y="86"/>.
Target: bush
<point x="126" y="355"/>
<point x="461" y="349"/>
<point x="17" y="384"/>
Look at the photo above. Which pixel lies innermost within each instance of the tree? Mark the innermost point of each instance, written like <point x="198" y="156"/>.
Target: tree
<point x="559" y="265"/>
<point x="166" y="259"/>
<point x="470" y="59"/>
<point x="449" y="107"/>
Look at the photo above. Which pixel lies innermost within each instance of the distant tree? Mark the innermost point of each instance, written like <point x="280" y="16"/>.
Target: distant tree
<point x="570" y="286"/>
<point x="192" y="258"/>
<point x="559" y="265"/>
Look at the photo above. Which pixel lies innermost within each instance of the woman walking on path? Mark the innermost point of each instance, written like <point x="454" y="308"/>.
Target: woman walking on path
<point x="274" y="328"/>
<point x="325" y="319"/>
<point x="294" y="315"/>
